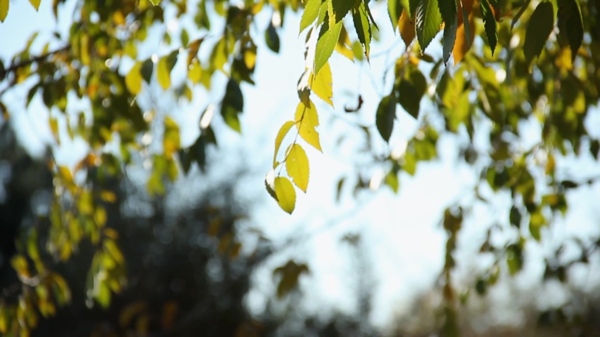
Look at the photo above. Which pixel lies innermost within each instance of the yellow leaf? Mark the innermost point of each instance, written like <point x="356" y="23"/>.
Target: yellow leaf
<point x="133" y="80"/>
<point x="321" y="84"/>
<point x="111" y="248"/>
<point x="463" y="42"/>
<point x="3" y="9"/>
<point x="297" y="166"/>
<point x="35" y="3"/>
<point x="286" y="194"/>
<point x="283" y="131"/>
<point x="344" y="46"/>
<point x="195" y="72"/>
<point x="162" y="73"/>
<point x="193" y="50"/>
<point x="407" y="28"/>
<point x="250" y="57"/>
<point x="171" y="137"/>
<point x="307" y="120"/>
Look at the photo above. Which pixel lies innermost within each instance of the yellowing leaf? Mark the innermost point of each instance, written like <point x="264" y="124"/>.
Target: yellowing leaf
<point x="193" y="50"/>
<point x="162" y="73"/>
<point x="133" y="79"/>
<point x="307" y="120"/>
<point x="297" y="166"/>
<point x="283" y="131"/>
<point x="195" y="72"/>
<point x="464" y="37"/>
<point x="35" y="4"/>
<point x="344" y="46"/>
<point x="286" y="194"/>
<point x="4" y="9"/>
<point x="321" y="84"/>
<point x="310" y="13"/>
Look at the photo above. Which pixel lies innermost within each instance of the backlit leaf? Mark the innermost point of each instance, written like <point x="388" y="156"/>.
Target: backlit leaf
<point x="310" y="13"/>
<point x="570" y="23"/>
<point x="464" y="36"/>
<point x="321" y="84"/>
<point x="384" y="119"/>
<point x="171" y="142"/>
<point x="326" y="44"/>
<point x="286" y="194"/>
<point x="4" y="4"/>
<point x="428" y="21"/>
<point x="307" y="120"/>
<point x="297" y="166"/>
<point x="35" y="4"/>
<point x="539" y="28"/>
<point x="162" y="73"/>
<point x="193" y="48"/>
<point x="490" y="24"/>
<point x="407" y="28"/>
<point x="362" y="26"/>
<point x="394" y="12"/>
<point x="344" y="46"/>
<point x="133" y="79"/>
<point x="283" y="131"/>
<point x="449" y="14"/>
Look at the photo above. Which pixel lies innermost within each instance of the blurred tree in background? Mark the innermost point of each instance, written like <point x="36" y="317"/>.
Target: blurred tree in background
<point x="513" y="83"/>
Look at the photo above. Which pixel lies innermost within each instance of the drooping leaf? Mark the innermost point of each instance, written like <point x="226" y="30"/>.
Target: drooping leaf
<point x="386" y="113"/>
<point x="394" y="12"/>
<point x="340" y="8"/>
<point x="283" y="131"/>
<point x="4" y="4"/>
<point x="427" y="21"/>
<point x="171" y="137"/>
<point x="410" y="89"/>
<point x="539" y="28"/>
<point x="326" y="44"/>
<point x="516" y="18"/>
<point x="490" y="24"/>
<point x="146" y="70"/>
<point x="344" y="46"/>
<point x="272" y="38"/>
<point x="35" y="4"/>
<point x="286" y="194"/>
<point x="133" y="79"/>
<point x="232" y="105"/>
<point x="449" y="14"/>
<point x="297" y="166"/>
<point x="307" y="120"/>
<point x="407" y="28"/>
<point x="310" y="13"/>
<point x="362" y="26"/>
<point x="163" y="74"/>
<point x="321" y="84"/>
<point x="570" y="23"/>
<point x="193" y="48"/>
<point x="464" y="35"/>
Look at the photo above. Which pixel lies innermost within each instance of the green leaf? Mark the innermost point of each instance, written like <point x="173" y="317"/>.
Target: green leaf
<point x="490" y="24"/>
<point x="428" y="21"/>
<point x="307" y="120"/>
<point x="283" y="131"/>
<point x="35" y="4"/>
<point x="539" y="28"/>
<point x="103" y="294"/>
<point x="449" y="14"/>
<point x="362" y="26"/>
<point x="272" y="38"/>
<point x="232" y="105"/>
<point x="570" y="23"/>
<point x="171" y="137"/>
<point x="286" y="194"/>
<point x="394" y="12"/>
<point x="340" y="8"/>
<point x="297" y="166"/>
<point x="311" y="11"/>
<point x="155" y="2"/>
<point x="133" y="79"/>
<point x="384" y="119"/>
<point x="410" y="90"/>
<point x="516" y="18"/>
<point x="326" y="44"/>
<point x="163" y="74"/>
<point x="391" y="179"/>
<point x="146" y="70"/>
<point x="322" y="84"/>
<point x="4" y="4"/>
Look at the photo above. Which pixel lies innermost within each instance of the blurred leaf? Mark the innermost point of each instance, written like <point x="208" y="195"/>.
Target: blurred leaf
<point x="394" y="12"/>
<point x="4" y="4"/>
<point x="449" y="14"/>
<point x="384" y="119"/>
<point x="35" y="4"/>
<point x="171" y="137"/>
<point x="272" y="38"/>
<point x="297" y="166"/>
<point x="407" y="28"/>
<point x="232" y="105"/>
<point x="193" y="48"/>
<point x="539" y="28"/>
<point x="570" y="23"/>
<point x="286" y="195"/>
<point x="490" y="24"/>
<point x="133" y="80"/>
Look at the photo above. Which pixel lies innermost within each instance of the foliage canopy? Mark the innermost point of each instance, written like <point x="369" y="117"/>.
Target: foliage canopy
<point x="509" y="70"/>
